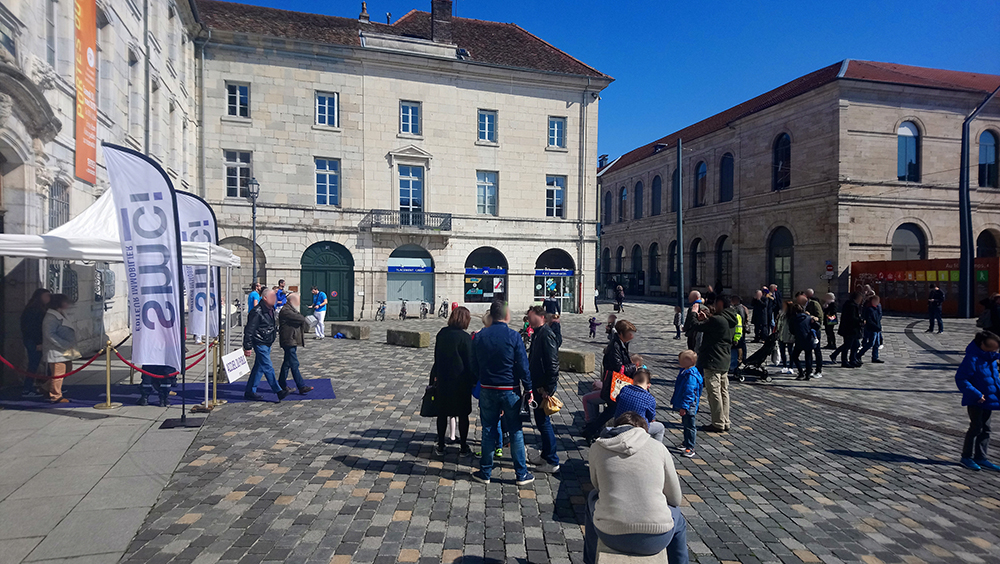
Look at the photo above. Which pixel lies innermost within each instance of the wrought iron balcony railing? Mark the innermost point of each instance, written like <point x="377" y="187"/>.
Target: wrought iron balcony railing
<point x="401" y="219"/>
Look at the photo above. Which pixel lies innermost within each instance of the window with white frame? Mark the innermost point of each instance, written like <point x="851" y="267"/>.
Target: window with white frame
<point x="409" y="117"/>
<point x="488" y="126"/>
<point x="51" y="31"/>
<point x="328" y="109"/>
<point x="327" y="182"/>
<point x="132" y="111"/>
<point x="486" y="192"/>
<point x="555" y="191"/>
<point x="557" y="132"/>
<point x="7" y="36"/>
<point x="238" y="99"/>
<point x="238" y="173"/>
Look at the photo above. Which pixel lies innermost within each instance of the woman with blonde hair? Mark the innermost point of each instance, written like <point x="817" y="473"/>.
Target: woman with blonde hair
<point x="58" y="346"/>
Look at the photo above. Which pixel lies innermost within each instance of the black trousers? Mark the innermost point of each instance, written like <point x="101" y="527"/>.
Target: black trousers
<point x="977" y="438"/>
<point x="463" y="429"/>
<point x="831" y="337"/>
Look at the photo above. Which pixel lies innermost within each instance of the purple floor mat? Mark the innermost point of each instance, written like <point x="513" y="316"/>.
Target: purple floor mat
<point x="89" y="396"/>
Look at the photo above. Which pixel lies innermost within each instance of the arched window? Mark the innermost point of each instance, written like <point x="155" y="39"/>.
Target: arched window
<point x="780" y="251"/>
<point x="697" y="263"/>
<point x="781" y="161"/>
<point x="675" y="192"/>
<point x="637" y="196"/>
<point x="723" y="263"/>
<point x="909" y="243"/>
<point x="986" y="245"/>
<point x="486" y="276"/>
<point x="636" y="260"/>
<point x="700" y="185"/>
<point x="608" y="208"/>
<point x="656" y="196"/>
<point x="726" y="170"/>
<point x="672" y="263"/>
<point x="606" y="263"/>
<point x="622" y="199"/>
<point x="620" y="259"/>
<point x="653" y="269"/>
<point x="989" y="155"/>
<point x="410" y="275"/>
<point x="908" y="156"/>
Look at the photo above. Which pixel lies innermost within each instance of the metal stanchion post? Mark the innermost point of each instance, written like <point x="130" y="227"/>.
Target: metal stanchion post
<point x="107" y="362"/>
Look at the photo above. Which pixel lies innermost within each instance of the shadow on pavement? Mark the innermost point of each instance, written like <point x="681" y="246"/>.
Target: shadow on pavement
<point x="891" y="457"/>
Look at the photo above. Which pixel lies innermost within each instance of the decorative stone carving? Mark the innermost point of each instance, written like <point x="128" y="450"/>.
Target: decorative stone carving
<point x="43" y="75"/>
<point x="44" y="176"/>
<point x="6" y="107"/>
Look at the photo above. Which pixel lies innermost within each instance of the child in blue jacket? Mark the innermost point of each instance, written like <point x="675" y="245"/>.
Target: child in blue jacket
<point x="687" y="397"/>
<point x="979" y="382"/>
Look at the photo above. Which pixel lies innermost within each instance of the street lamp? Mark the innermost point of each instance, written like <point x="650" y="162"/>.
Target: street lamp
<point x="253" y="190"/>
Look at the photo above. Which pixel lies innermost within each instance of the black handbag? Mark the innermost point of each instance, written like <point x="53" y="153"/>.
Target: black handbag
<point x="427" y="406"/>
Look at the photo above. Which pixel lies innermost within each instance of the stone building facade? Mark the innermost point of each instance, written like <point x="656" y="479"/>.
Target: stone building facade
<point x="144" y="100"/>
<point x="857" y="161"/>
<point x="436" y="158"/>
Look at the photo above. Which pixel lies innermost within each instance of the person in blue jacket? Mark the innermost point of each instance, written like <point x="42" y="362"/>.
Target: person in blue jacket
<point x="687" y="399"/>
<point x="979" y="382"/>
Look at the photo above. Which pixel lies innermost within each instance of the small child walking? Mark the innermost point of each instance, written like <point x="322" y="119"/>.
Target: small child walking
<point x="978" y="380"/>
<point x="594" y="324"/>
<point x="686" y="399"/>
<point x="678" y="321"/>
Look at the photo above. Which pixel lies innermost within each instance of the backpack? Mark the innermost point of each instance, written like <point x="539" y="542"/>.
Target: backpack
<point x="985" y="321"/>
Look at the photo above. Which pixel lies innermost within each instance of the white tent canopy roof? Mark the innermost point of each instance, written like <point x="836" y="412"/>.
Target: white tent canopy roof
<point x="93" y="236"/>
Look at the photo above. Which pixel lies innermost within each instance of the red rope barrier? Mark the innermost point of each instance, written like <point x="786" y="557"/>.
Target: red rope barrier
<point x="199" y="351"/>
<point x="171" y="375"/>
<point x="41" y="377"/>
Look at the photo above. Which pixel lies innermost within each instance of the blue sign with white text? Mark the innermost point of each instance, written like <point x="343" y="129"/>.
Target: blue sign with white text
<point x="487" y="271"/>
<point x="411" y="269"/>
<point x="563" y="272"/>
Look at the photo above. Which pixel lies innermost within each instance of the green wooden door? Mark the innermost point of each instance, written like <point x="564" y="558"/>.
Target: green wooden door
<point x="330" y="267"/>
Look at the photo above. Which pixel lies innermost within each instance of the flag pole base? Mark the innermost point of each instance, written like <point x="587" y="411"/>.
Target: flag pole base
<point x="181" y="423"/>
<point x="217" y="403"/>
<point x="108" y="405"/>
<point x="202" y="408"/>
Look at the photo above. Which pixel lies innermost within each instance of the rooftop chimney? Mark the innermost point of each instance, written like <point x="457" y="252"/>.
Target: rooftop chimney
<point x="602" y="161"/>
<point x="441" y="21"/>
<point x="363" y="16"/>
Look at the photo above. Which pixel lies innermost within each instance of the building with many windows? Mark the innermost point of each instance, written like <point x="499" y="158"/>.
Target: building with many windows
<point x="431" y="158"/>
<point x="856" y="161"/>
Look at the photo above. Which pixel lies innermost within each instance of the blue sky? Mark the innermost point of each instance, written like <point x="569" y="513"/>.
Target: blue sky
<point x="676" y="63"/>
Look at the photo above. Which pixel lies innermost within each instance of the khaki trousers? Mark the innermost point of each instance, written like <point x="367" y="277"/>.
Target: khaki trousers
<point x="717" y="389"/>
<point x="53" y="386"/>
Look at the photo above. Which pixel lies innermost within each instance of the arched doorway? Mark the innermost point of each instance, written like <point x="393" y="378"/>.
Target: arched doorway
<point x="330" y="267"/>
<point x="697" y="263"/>
<point x="986" y="245"/>
<point x="410" y="275"/>
<point x="909" y="243"/>
<point x="636" y="282"/>
<point x="554" y="272"/>
<point x="485" y="276"/>
<point x="242" y="247"/>
<point x="780" y="255"/>
<point x="654" y="264"/>
<point x="605" y="265"/>
<point x="723" y="264"/>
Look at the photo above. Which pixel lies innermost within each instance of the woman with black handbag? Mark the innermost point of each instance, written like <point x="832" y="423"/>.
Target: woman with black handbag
<point x="452" y="378"/>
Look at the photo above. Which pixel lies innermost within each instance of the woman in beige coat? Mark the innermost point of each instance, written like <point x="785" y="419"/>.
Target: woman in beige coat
<point x="58" y="346"/>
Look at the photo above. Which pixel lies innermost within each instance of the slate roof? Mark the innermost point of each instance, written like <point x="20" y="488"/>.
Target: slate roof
<point x="493" y="43"/>
<point x="848" y="69"/>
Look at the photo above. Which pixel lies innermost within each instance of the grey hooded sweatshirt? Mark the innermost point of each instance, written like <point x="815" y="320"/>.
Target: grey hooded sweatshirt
<point x="636" y="483"/>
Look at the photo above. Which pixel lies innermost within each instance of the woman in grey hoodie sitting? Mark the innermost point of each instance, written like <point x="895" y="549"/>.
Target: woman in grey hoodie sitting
<point x="634" y="507"/>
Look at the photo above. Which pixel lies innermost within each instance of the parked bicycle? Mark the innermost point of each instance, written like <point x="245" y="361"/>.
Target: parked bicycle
<point x="402" y="309"/>
<point x="380" y="314"/>
<point x="424" y="309"/>
<point x="443" y="310"/>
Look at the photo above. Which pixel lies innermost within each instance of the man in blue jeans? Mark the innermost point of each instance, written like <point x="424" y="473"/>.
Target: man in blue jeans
<point x="501" y="364"/>
<point x="258" y="336"/>
<point x="290" y="337"/>
<point x="543" y="365"/>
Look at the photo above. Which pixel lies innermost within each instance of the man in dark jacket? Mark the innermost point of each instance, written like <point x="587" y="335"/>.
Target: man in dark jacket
<point x="714" y="357"/>
<point x="757" y="317"/>
<point x="291" y="325"/>
<point x="851" y="327"/>
<point x="934" y="301"/>
<point x="258" y="336"/>
<point x="543" y="364"/>
<point x="501" y="364"/>
<point x="872" y="315"/>
<point x="814" y="310"/>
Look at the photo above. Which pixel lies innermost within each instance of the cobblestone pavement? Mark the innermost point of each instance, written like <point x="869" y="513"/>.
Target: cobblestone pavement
<point x="833" y="470"/>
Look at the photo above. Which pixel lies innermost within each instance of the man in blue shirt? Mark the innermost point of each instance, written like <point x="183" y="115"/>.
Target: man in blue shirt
<point x="500" y="362"/>
<point x="636" y="397"/>
<point x="282" y="296"/>
<point x="253" y="299"/>
<point x="319" y="311"/>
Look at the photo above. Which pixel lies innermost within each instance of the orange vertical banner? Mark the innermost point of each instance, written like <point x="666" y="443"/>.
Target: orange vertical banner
<point x="85" y="23"/>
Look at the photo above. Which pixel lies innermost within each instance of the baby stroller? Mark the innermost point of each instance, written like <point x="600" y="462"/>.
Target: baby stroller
<point x="755" y="363"/>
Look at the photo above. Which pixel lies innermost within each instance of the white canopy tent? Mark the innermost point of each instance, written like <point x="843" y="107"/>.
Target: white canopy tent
<point x="93" y="236"/>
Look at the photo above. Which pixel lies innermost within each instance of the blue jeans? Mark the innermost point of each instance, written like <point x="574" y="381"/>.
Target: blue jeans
<point x="290" y="362"/>
<point x="491" y="404"/>
<point x="34" y="359"/>
<point x="547" y="435"/>
<point x="690" y="430"/>
<point x="261" y="366"/>
<point x="872" y="341"/>
<point x="675" y="540"/>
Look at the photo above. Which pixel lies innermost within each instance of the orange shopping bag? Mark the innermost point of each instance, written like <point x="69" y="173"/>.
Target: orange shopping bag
<point x="618" y="381"/>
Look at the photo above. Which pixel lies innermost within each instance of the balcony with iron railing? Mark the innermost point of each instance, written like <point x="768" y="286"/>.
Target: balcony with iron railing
<point x="403" y="220"/>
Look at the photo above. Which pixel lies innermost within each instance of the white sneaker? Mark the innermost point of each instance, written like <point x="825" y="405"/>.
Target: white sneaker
<point x="786" y="370"/>
<point x="880" y="347"/>
<point x="547" y="468"/>
<point x="817" y="375"/>
<point x="534" y="456"/>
